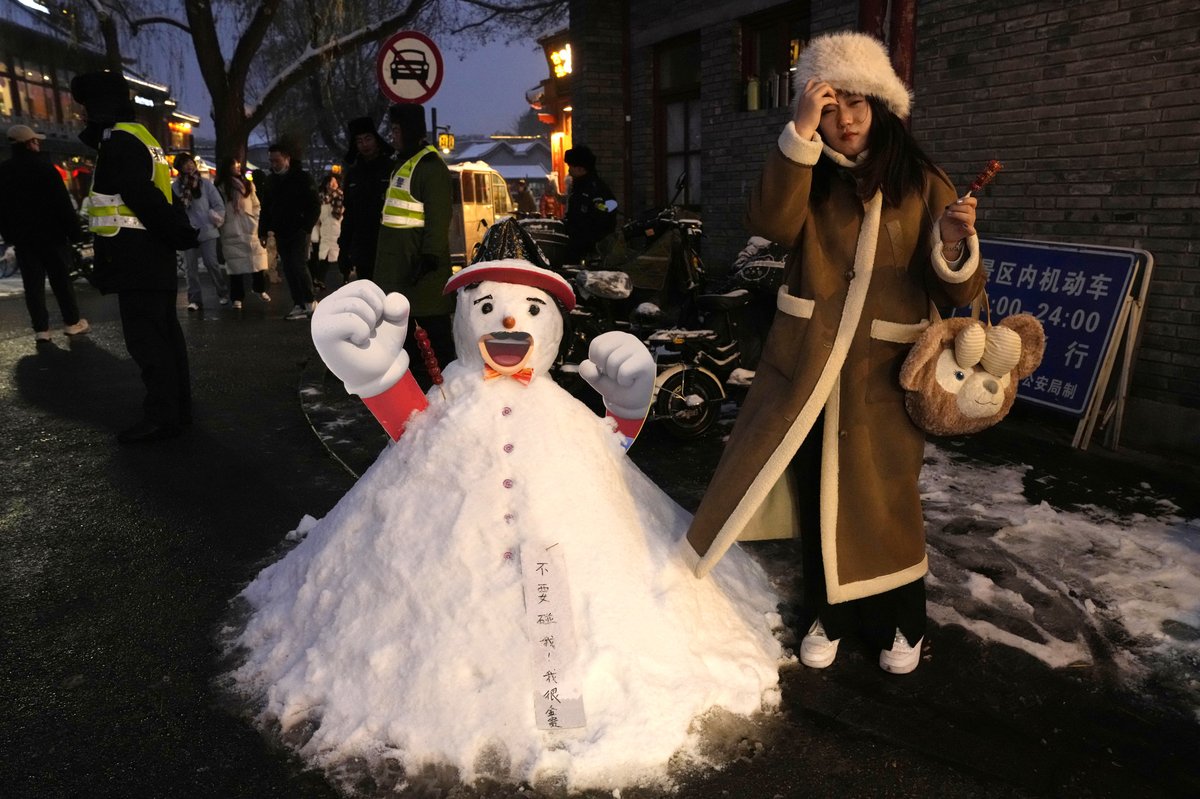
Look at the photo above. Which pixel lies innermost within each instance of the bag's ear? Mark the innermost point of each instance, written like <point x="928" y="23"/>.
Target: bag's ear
<point x="927" y="347"/>
<point x="1033" y="343"/>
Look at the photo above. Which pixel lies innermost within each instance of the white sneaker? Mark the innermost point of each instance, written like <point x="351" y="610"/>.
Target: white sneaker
<point x="901" y="658"/>
<point x="265" y="297"/>
<point x="816" y="650"/>
<point x="223" y="301"/>
<point x="237" y="305"/>
<point x="77" y="329"/>
<point x="42" y="335"/>
<point x="298" y="312"/>
<point x="193" y="307"/>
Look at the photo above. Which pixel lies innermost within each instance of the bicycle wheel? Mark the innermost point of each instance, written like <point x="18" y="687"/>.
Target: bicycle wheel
<point x="688" y="402"/>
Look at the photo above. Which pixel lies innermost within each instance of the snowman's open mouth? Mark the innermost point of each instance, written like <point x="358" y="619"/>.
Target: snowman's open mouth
<point x="506" y="349"/>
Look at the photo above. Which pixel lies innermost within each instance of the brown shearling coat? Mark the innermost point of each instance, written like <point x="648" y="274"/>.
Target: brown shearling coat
<point x="857" y="294"/>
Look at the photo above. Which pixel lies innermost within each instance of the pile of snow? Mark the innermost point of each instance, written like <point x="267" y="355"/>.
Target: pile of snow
<point x="397" y="630"/>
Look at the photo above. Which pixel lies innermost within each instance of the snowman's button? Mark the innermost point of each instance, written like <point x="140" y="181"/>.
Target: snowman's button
<point x="509" y="518"/>
<point x="508" y="483"/>
<point x="508" y="447"/>
<point x="506" y="411"/>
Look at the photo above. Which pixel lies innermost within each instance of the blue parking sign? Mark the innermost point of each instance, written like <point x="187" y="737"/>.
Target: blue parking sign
<point x="1077" y="294"/>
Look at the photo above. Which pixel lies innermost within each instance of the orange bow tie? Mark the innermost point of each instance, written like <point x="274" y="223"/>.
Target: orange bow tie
<point x="525" y="375"/>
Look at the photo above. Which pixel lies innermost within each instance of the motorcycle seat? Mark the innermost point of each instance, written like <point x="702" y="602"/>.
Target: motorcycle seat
<point x="724" y="302"/>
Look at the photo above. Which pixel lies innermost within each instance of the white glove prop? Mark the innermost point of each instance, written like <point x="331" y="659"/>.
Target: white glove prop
<point x="622" y="370"/>
<point x="359" y="334"/>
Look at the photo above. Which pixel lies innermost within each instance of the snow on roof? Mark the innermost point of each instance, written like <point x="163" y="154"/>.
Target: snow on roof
<point x="526" y="171"/>
<point x="475" y="151"/>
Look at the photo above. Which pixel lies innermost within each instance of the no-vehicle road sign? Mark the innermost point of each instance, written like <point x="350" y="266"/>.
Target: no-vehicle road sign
<point x="409" y="67"/>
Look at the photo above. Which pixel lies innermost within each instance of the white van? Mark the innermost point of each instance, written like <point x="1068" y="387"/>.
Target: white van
<point x="479" y="199"/>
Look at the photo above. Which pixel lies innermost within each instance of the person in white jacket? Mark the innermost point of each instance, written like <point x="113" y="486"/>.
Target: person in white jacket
<point x="206" y="212"/>
<point x="325" y="233"/>
<point x="243" y="252"/>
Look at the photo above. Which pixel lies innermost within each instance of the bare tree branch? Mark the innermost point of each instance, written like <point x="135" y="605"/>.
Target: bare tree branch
<point x="135" y="25"/>
<point x="313" y="59"/>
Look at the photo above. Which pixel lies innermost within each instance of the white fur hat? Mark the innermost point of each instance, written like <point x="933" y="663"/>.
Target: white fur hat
<point x="853" y="62"/>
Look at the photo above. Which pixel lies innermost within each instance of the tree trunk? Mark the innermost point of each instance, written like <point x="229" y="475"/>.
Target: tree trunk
<point x="112" y="42"/>
<point x="231" y="128"/>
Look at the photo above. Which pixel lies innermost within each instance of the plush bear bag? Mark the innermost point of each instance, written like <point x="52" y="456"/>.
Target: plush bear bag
<point x="961" y="375"/>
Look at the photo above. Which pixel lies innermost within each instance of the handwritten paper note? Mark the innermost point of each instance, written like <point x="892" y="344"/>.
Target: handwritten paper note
<point x="557" y="678"/>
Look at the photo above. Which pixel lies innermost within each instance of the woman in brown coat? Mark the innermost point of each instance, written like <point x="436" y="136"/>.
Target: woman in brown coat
<point x="823" y="447"/>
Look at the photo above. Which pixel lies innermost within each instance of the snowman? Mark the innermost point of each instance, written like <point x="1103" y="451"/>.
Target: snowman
<point x="501" y="592"/>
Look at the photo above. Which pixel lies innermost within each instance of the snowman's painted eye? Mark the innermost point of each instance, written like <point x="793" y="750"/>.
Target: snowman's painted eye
<point x="534" y="310"/>
<point x="486" y="307"/>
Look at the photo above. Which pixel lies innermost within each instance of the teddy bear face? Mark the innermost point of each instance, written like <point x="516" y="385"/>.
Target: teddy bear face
<point x="961" y="379"/>
<point x="977" y="393"/>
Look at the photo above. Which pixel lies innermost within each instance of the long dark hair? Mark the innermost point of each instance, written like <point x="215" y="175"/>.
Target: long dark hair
<point x="895" y="163"/>
<point x="229" y="180"/>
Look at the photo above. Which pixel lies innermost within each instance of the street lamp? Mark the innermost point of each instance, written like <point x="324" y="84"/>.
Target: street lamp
<point x="445" y="139"/>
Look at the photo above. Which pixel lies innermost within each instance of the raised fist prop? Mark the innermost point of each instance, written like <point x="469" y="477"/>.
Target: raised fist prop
<point x="622" y="370"/>
<point x="359" y="333"/>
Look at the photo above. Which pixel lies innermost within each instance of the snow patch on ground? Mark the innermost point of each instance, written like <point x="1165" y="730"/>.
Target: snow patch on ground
<point x="1035" y="577"/>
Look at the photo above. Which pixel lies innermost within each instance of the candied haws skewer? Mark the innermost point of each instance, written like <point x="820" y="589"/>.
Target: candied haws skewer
<point x="430" y="359"/>
<point x="985" y="177"/>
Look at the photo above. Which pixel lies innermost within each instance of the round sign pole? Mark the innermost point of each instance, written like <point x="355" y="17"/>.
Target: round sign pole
<point x="409" y="67"/>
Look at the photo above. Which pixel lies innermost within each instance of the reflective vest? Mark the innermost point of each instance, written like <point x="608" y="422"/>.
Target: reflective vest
<point x="108" y="213"/>
<point x="400" y="208"/>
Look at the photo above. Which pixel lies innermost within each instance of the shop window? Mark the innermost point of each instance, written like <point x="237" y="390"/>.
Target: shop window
<point x="501" y="202"/>
<point x="6" y="92"/>
<point x="677" y="113"/>
<point x="771" y="43"/>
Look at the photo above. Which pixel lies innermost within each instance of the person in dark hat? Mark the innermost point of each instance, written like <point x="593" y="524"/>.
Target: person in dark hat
<point x="524" y="199"/>
<point x="413" y="254"/>
<point x="138" y="227"/>
<point x="591" y="207"/>
<point x="37" y="218"/>
<point x="368" y="168"/>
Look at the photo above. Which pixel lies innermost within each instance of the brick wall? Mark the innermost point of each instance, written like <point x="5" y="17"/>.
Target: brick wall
<point x="734" y="141"/>
<point x="597" y="85"/>
<point x="1093" y="109"/>
<point x="1091" y="106"/>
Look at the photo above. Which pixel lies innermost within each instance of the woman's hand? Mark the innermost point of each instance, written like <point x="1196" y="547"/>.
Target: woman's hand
<point x="817" y="95"/>
<point x="957" y="223"/>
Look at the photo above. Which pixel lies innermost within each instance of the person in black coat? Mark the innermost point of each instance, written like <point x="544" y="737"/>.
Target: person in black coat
<point x="290" y="208"/>
<point x="369" y="167"/>
<point x="138" y="228"/>
<point x="36" y="217"/>
<point x="591" y="208"/>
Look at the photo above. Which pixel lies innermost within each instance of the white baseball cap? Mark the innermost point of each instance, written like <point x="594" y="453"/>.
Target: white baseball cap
<point x="23" y="133"/>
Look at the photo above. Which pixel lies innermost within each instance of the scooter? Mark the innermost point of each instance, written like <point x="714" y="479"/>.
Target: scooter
<point x="702" y="367"/>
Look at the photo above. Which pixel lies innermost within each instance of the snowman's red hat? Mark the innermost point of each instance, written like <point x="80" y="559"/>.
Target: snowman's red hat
<point x="514" y="270"/>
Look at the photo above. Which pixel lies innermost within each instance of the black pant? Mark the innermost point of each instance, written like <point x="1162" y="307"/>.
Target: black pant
<point x="293" y="262"/>
<point x="875" y="618"/>
<point x="156" y="344"/>
<point x="39" y="262"/>
<point x="441" y="337"/>
<point x="237" y="285"/>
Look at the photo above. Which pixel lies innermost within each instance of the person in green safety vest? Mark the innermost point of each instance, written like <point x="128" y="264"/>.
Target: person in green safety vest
<point x="413" y="254"/>
<point x="137" y="230"/>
